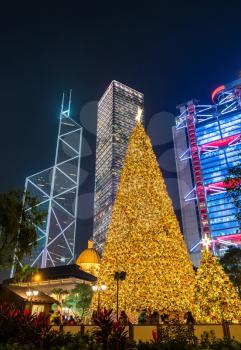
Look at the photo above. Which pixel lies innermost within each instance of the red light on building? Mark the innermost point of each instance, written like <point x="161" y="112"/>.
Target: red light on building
<point x="217" y="91"/>
<point x="222" y="142"/>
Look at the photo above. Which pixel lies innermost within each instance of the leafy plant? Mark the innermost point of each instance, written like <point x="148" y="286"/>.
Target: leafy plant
<point x="22" y="327"/>
<point x="18" y="233"/>
<point x="79" y="299"/>
<point x="231" y="262"/>
<point x="110" y="334"/>
<point x="23" y="272"/>
<point x="59" y="294"/>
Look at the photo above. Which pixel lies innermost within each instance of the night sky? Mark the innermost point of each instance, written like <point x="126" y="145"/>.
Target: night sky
<point x="172" y="51"/>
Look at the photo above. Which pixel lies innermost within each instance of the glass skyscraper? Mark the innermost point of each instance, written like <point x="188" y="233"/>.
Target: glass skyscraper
<point x="56" y="189"/>
<point x="117" y="110"/>
<point x="207" y="141"/>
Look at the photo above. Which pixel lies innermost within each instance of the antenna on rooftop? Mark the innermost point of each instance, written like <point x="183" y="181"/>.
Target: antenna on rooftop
<point x="62" y="105"/>
<point x="70" y="94"/>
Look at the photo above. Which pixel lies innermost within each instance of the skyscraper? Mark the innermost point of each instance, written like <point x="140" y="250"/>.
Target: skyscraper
<point x="56" y="189"/>
<point x="117" y="110"/>
<point x="207" y="142"/>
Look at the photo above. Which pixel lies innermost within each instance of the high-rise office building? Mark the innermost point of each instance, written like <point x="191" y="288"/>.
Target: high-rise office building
<point x="117" y="110"/>
<point x="56" y="189"/>
<point x="207" y="142"/>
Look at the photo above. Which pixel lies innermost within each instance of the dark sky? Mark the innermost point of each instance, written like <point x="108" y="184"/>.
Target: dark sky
<point x="171" y="51"/>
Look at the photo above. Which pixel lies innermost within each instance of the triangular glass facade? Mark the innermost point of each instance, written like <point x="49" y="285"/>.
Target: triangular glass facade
<point x="57" y="192"/>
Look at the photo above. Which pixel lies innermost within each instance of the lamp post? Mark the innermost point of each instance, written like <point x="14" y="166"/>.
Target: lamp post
<point x="99" y="289"/>
<point x="37" y="277"/>
<point x="118" y="276"/>
<point x="30" y="294"/>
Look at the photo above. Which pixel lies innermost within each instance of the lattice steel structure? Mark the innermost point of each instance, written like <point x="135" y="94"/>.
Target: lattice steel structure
<point x="117" y="110"/>
<point x="57" y="191"/>
<point x="207" y="142"/>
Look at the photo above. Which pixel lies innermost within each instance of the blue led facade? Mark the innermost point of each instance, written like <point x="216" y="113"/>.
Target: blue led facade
<point x="215" y="165"/>
<point x="207" y="142"/>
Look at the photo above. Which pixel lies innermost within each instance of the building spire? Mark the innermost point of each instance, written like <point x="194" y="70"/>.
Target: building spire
<point x="70" y="95"/>
<point x="62" y="105"/>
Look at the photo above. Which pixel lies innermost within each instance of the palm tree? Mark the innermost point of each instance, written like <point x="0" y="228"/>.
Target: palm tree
<point x="59" y="294"/>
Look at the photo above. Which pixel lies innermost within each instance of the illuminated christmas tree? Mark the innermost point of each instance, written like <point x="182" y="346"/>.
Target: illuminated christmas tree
<point x="144" y="240"/>
<point x="215" y="297"/>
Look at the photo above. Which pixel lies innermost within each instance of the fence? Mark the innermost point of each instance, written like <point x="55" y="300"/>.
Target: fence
<point x="144" y="332"/>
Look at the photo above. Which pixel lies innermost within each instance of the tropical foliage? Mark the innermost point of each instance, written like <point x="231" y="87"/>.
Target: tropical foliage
<point x="21" y="331"/>
<point x="231" y="262"/>
<point x="79" y="299"/>
<point x="18" y="232"/>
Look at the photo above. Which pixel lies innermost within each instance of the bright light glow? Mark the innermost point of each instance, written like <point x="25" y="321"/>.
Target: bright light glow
<point x="217" y="91"/>
<point x="29" y="293"/>
<point x="32" y="293"/>
<point x="95" y="288"/>
<point x="139" y="114"/>
<point x="155" y="217"/>
<point x="206" y="242"/>
<point x="103" y="287"/>
<point x="37" y="277"/>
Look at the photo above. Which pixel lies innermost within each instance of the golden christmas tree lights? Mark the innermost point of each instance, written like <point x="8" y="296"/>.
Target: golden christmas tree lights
<point x="144" y="240"/>
<point x="216" y="299"/>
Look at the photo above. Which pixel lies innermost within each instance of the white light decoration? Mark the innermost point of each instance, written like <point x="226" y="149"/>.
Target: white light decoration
<point x="139" y="114"/>
<point x="32" y="293"/>
<point x="95" y="288"/>
<point x="206" y="242"/>
<point x="29" y="293"/>
<point x="103" y="287"/>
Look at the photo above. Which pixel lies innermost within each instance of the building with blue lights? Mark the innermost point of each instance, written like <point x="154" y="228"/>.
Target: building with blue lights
<point x="207" y="142"/>
<point x="56" y="189"/>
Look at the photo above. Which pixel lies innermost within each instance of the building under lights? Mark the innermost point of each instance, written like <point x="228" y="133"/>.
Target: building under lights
<point x="56" y="189"/>
<point x="117" y="110"/>
<point x="207" y="142"/>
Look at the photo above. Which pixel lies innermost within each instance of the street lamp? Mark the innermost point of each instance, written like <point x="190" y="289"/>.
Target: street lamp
<point x="118" y="276"/>
<point x="37" y="277"/>
<point x="99" y="289"/>
<point x="30" y="294"/>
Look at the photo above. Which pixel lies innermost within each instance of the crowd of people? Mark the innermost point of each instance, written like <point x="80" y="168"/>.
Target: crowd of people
<point x="57" y="319"/>
<point x="148" y="317"/>
<point x="144" y="317"/>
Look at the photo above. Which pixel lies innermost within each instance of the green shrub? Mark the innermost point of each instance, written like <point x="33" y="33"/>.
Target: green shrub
<point x="17" y="346"/>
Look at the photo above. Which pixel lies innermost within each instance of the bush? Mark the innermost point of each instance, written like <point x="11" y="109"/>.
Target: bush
<point x="208" y="342"/>
<point x="17" y="326"/>
<point x="17" y="346"/>
<point x="110" y="335"/>
<point x="19" y="330"/>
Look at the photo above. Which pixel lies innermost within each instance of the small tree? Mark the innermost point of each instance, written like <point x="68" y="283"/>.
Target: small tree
<point x="23" y="272"/>
<point x="231" y="263"/>
<point x="233" y="188"/>
<point x="79" y="299"/>
<point x="18" y="232"/>
<point x="216" y="299"/>
<point x="60" y="294"/>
